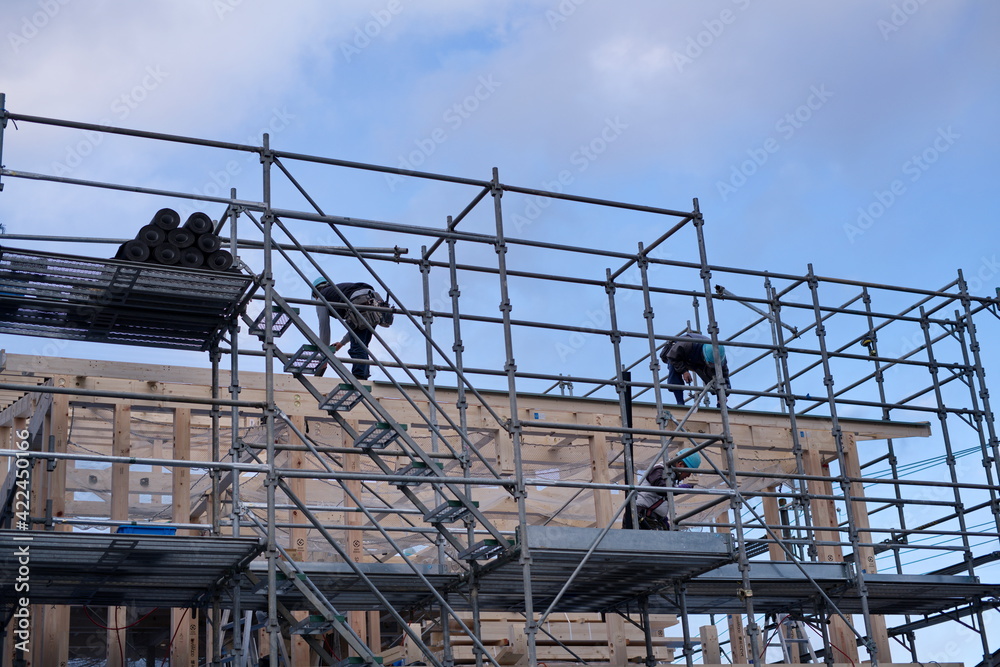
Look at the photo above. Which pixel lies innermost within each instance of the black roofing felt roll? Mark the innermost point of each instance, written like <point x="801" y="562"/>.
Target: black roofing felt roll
<point x="199" y="223"/>
<point x="209" y="243"/>
<point x="166" y="253"/>
<point x="134" y="251"/>
<point x="220" y="260"/>
<point x="151" y="235"/>
<point x="166" y="219"/>
<point x="192" y="258"/>
<point x="181" y="237"/>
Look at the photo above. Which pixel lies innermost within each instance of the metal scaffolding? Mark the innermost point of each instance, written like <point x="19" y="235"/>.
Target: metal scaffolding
<point x="463" y="483"/>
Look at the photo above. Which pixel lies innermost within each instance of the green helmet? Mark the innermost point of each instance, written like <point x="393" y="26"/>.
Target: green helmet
<point x="692" y="460"/>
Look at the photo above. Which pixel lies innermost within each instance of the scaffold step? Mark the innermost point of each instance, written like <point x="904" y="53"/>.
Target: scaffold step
<point x="280" y="321"/>
<point x="484" y="550"/>
<point x="417" y="469"/>
<point x="283" y="583"/>
<point x="342" y="399"/>
<point x="379" y="436"/>
<point x="307" y="360"/>
<point x="316" y="624"/>
<point x="449" y="511"/>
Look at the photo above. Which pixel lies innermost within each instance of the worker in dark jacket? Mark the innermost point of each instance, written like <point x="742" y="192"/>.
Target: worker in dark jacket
<point x="360" y="326"/>
<point x="693" y="353"/>
<point x="652" y="507"/>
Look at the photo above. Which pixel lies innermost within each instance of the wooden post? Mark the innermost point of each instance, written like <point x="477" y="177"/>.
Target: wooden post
<point x="737" y="634"/>
<point x="355" y="538"/>
<point x="55" y="628"/>
<point x="121" y="445"/>
<point x="181" y="619"/>
<point x="600" y="473"/>
<point x="773" y="518"/>
<point x="297" y="537"/>
<point x="824" y="514"/>
<point x="865" y="558"/>
<point x="375" y="632"/>
<point x="297" y="540"/>
<point x="711" y="654"/>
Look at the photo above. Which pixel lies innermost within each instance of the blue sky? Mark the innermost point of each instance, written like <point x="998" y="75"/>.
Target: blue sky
<point x="859" y="136"/>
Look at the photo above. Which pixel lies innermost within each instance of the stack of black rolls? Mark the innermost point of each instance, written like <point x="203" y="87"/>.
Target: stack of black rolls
<point x="165" y="240"/>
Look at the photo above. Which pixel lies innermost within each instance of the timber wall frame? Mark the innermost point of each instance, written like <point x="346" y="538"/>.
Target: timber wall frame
<point x="810" y="382"/>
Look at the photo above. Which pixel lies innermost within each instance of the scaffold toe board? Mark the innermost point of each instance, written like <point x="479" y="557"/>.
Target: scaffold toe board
<point x="118" y="569"/>
<point x="116" y="301"/>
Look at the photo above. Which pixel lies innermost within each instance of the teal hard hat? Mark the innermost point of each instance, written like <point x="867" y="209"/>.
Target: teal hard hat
<point x="320" y="281"/>
<point x="692" y="460"/>
<point x="710" y="353"/>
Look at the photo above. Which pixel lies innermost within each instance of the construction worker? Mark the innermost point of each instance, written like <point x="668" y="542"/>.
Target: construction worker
<point x="652" y="507"/>
<point x="360" y="325"/>
<point x="692" y="354"/>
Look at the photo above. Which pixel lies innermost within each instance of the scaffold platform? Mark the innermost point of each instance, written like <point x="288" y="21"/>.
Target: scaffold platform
<point x="116" y="301"/>
<point x="628" y="565"/>
<point x="119" y="569"/>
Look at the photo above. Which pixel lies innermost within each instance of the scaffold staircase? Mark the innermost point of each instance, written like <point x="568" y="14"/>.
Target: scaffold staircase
<point x="309" y="361"/>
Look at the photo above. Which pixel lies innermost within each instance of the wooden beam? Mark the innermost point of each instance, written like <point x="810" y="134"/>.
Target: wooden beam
<point x="172" y="380"/>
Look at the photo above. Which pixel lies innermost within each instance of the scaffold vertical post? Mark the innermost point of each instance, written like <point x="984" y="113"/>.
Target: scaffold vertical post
<point x="728" y="445"/>
<point x="514" y="427"/>
<point x="3" y="127"/>
<point x="270" y="411"/>
<point x="842" y="478"/>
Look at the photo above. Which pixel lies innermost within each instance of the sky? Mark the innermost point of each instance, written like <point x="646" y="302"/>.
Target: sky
<point x="858" y="137"/>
